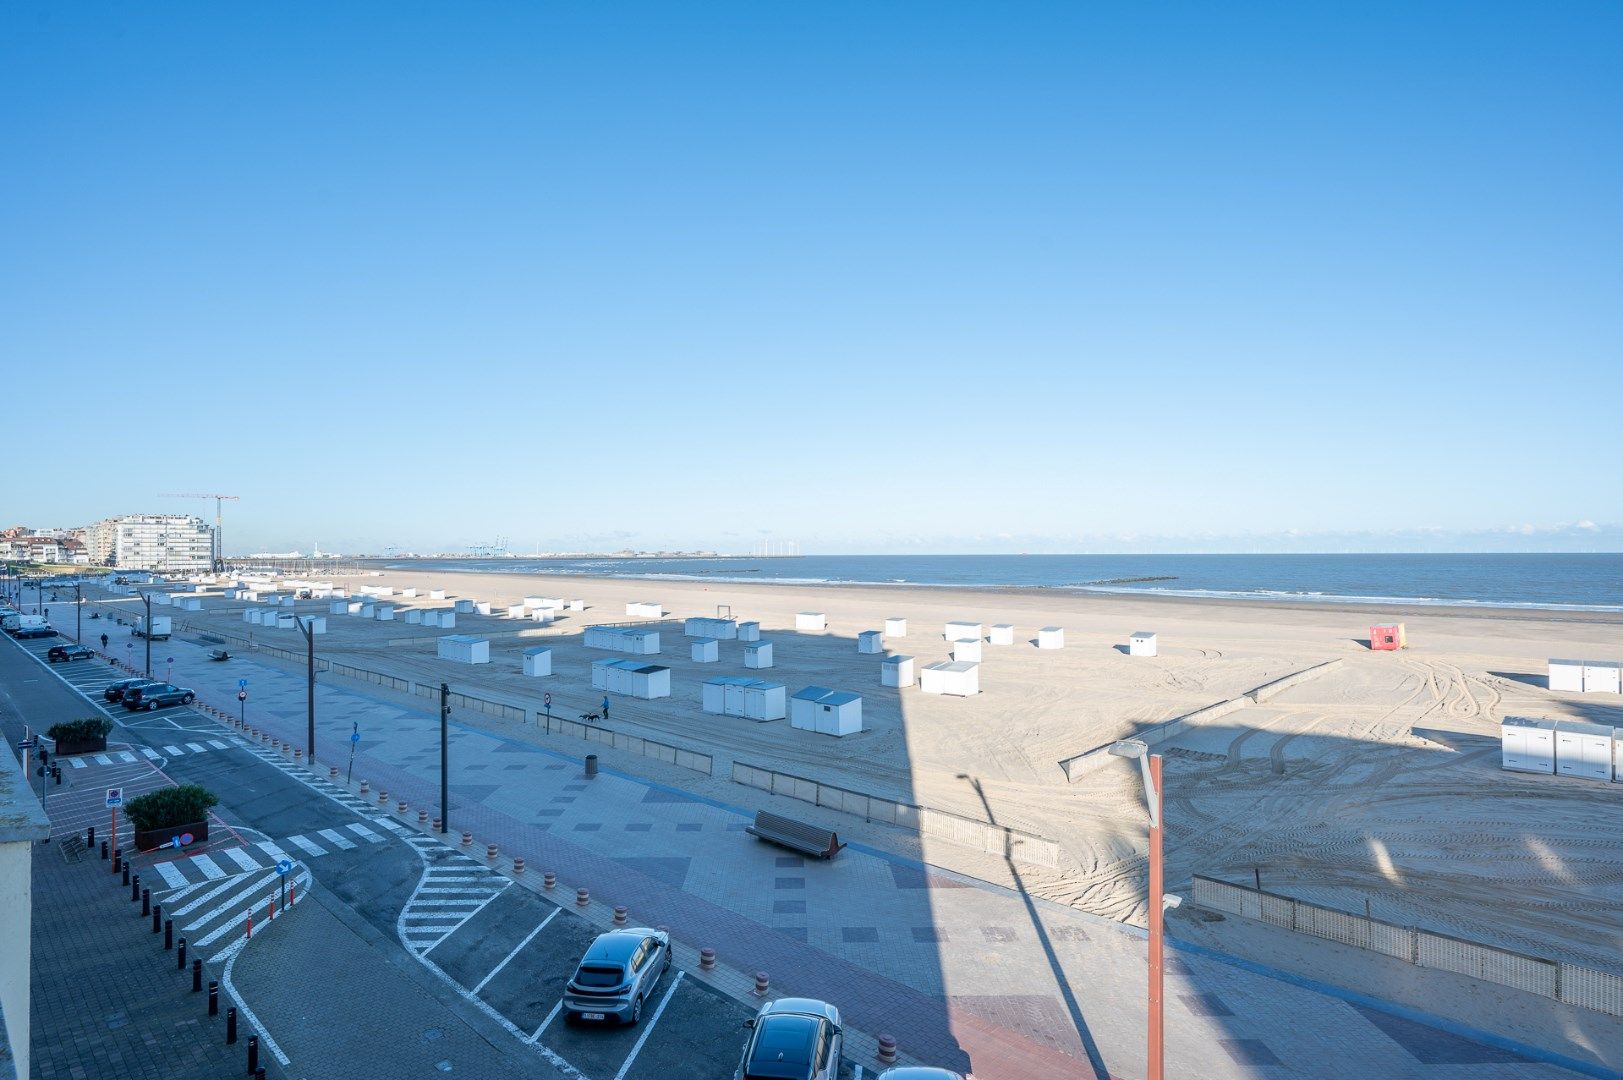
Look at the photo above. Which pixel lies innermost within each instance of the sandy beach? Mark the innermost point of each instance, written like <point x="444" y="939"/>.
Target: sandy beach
<point x="1376" y="783"/>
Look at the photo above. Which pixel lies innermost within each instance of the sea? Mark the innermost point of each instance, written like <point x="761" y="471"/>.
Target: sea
<point x="1556" y="582"/>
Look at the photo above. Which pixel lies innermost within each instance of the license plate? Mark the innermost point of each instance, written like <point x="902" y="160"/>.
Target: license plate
<point x="592" y="1016"/>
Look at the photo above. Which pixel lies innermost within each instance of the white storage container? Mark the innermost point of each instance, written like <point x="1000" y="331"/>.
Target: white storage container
<point x="956" y="677"/>
<point x="631" y="677"/>
<point x="811" y="620"/>
<point x="436" y="594"/>
<point x="1142" y="643"/>
<point x="464" y="649"/>
<point x="1602" y="677"/>
<point x="1527" y="745"/>
<point x="720" y="629"/>
<point x="646" y="609"/>
<point x="963" y="631"/>
<point x="828" y="712"/>
<point x="414" y="616"/>
<point x="1567" y="676"/>
<point x="538" y="661"/>
<point x="706" y="651"/>
<point x="577" y="605"/>
<point x="870" y="641"/>
<point x="408" y="592"/>
<point x="966" y="651"/>
<point x="1002" y="634"/>
<point x="895" y="627"/>
<point x="464" y="607"/>
<point x="1051" y="637"/>
<point x="629" y="639"/>
<point x="1583" y="750"/>
<point x="736" y="695"/>
<point x="383" y="613"/>
<point x="749" y="631"/>
<point x="896" y="671"/>
<point x="447" y="619"/>
<point x="757" y="654"/>
<point x="518" y="611"/>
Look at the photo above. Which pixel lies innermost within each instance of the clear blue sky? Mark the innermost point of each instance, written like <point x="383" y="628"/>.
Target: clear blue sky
<point x="873" y="276"/>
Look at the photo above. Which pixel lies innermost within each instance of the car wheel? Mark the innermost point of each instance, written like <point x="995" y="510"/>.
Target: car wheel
<point x="152" y="706"/>
<point x="636" y="1010"/>
<point x="667" y="966"/>
<point x="187" y="700"/>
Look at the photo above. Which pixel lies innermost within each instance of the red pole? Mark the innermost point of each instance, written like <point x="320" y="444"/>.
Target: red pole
<point x="113" y="836"/>
<point x="1157" y="889"/>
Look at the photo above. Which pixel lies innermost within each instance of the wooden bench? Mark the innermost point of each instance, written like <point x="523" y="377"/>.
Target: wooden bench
<point x="795" y="835"/>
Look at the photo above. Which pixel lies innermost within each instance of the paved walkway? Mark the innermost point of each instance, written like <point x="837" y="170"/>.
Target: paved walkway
<point x="966" y="975"/>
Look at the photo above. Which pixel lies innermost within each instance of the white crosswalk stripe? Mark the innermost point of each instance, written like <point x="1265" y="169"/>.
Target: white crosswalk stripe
<point x="269" y="847"/>
<point x="173" y="751"/>
<point x="77" y="764"/>
<point x="197" y="748"/>
<point x="218" y="745"/>
<point x="103" y="759"/>
<point x="241" y="858"/>
<point x="151" y="755"/>
<point x="210" y="868"/>
<point x="335" y="837"/>
<point x="126" y="757"/>
<point x="307" y="845"/>
<point x="365" y="834"/>
<point x="170" y="874"/>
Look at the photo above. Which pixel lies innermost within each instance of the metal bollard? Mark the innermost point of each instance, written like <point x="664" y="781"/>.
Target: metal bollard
<point x="146" y="902"/>
<point x="104" y="851"/>
<point x="518" y="865"/>
<point x="762" y="983"/>
<point x="157" y="918"/>
<point x="231" y="1025"/>
<point x="383" y="798"/>
<point x="619" y="915"/>
<point x="197" y="976"/>
<point x="490" y="851"/>
<point x="180" y="959"/>
<point x="401" y="808"/>
<point x="118" y="859"/>
<point x="887" y="1049"/>
<point x="135" y="888"/>
<point x="259" y="1073"/>
<point x="126" y="873"/>
<point x="467" y="839"/>
<point x="707" y="958"/>
<point x="365" y="787"/>
<point x="436" y="826"/>
<point x="90" y="837"/>
<point x="422" y="818"/>
<point x="214" y="998"/>
<point x="253" y="1054"/>
<point x="332" y="772"/>
<point x="168" y="934"/>
<point x="582" y="897"/>
<point x="549" y="879"/>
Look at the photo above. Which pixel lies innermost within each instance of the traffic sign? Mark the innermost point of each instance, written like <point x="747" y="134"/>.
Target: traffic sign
<point x="115" y="798"/>
<point x="242" y="684"/>
<point x="355" y="738"/>
<point x="242" y="695"/>
<point x="181" y="841"/>
<point x="27" y="744"/>
<point x="546" y="699"/>
<point x="283" y="866"/>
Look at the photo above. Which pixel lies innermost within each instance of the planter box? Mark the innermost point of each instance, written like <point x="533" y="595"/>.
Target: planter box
<point x="152" y="839"/>
<point x="89" y="746"/>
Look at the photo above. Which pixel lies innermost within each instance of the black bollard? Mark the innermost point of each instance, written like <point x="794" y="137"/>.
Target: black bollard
<point x="118" y="859"/>
<point x="168" y="934"/>
<point x="157" y="918"/>
<point x="214" y="998"/>
<point x="146" y="902"/>
<point x="253" y="1054"/>
<point x="90" y="837"/>
<point x="180" y="960"/>
<point x="126" y="873"/>
<point x="135" y="888"/>
<point x="104" y="851"/>
<point x="197" y="976"/>
<point x="56" y="774"/>
<point x="259" y="1073"/>
<point x="231" y="1025"/>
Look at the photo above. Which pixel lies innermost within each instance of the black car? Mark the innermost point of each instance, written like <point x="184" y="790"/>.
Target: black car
<point x="156" y="696"/>
<point x="117" y="691"/>
<point x="33" y="632"/>
<point x="68" y="652"/>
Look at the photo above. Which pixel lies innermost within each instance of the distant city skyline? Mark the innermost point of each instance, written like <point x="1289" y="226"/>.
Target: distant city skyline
<point x="1072" y="279"/>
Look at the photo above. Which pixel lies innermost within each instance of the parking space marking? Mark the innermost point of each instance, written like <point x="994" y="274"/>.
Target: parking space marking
<point x="548" y="1020"/>
<point x="648" y="1028"/>
<point x="529" y="938"/>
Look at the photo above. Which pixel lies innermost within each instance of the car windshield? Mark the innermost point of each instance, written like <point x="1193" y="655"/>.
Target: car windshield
<point x="783" y="1047"/>
<point x="599" y="976"/>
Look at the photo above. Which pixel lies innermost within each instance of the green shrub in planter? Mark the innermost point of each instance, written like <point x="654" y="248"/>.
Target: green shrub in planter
<point x="168" y="808"/>
<point x="90" y="729"/>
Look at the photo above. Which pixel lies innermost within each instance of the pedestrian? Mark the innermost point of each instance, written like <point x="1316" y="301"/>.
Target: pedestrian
<point x="104" y="643"/>
<point x="605" y="706"/>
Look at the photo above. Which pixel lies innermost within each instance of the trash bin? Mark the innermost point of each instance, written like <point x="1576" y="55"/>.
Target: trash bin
<point x="591" y="765"/>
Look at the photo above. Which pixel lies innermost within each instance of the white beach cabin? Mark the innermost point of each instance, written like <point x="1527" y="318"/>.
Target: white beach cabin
<point x="517" y="611"/>
<point x="828" y="712"/>
<point x="464" y="607"/>
<point x="383" y="613"/>
<point x="629" y="639"/>
<point x="1002" y="634"/>
<point x="896" y="671"/>
<point x="1583" y="750"/>
<point x="706" y="650"/>
<point x="966" y="651"/>
<point x="632" y="677"/>
<point x="749" y="631"/>
<point x="414" y="616"/>
<point x="1142" y="643"/>
<point x="811" y="620"/>
<point x="963" y="631"/>
<point x="538" y="661"/>
<point x="1602" y="677"/>
<point x="436" y="594"/>
<point x="1567" y="675"/>
<point x="757" y="654"/>
<point x="957" y="677"/>
<point x="1051" y="637"/>
<point x="338" y="607"/>
<point x="1527" y="745"/>
<point x="464" y="649"/>
<point x="870" y="641"/>
<point x="542" y="615"/>
<point x="577" y="605"/>
<point x="895" y="627"/>
<point x="647" y="609"/>
<point x="720" y="629"/>
<point x="739" y="695"/>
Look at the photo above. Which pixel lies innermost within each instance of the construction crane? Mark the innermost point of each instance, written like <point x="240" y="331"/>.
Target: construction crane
<point x="219" y="529"/>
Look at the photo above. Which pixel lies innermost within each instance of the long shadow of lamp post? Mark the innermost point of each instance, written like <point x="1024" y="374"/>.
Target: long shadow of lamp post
<point x="1159" y="901"/>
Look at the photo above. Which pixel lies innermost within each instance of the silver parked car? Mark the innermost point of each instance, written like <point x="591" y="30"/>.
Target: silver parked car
<point x="793" y="1039"/>
<point x="919" y="1072"/>
<point x="617" y="974"/>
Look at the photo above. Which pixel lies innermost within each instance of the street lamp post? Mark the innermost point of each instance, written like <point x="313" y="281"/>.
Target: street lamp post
<point x="146" y="630"/>
<point x="78" y="614"/>
<point x="1150" y="765"/>
<point x="445" y="757"/>
<point x="309" y="687"/>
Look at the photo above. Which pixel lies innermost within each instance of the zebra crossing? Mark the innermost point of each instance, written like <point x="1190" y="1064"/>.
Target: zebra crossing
<point x="204" y="867"/>
<point x="453" y="889"/>
<point x="128" y="757"/>
<point x="216" y="910"/>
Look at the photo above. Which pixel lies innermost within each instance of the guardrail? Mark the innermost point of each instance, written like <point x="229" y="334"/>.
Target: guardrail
<point x="636" y="744"/>
<point x="1568" y="983"/>
<point x="926" y="821"/>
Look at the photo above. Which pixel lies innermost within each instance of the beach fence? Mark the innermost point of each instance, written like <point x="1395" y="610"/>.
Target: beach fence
<point x="635" y="744"/>
<point x="938" y="824"/>
<point x="1568" y="983"/>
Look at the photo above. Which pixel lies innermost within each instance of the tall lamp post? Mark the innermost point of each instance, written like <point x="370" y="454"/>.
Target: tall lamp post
<point x="146" y="630"/>
<point x="1150" y="765"/>
<point x="78" y="614"/>
<point x="445" y="757"/>
<point x="309" y="687"/>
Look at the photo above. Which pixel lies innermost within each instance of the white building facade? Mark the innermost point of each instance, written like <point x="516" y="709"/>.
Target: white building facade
<point x="161" y="543"/>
